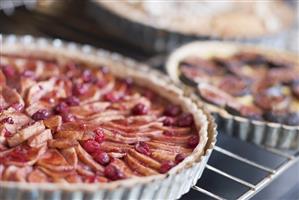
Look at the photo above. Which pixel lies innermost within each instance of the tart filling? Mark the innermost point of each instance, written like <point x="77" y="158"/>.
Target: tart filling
<point x="64" y="121"/>
<point x="246" y="82"/>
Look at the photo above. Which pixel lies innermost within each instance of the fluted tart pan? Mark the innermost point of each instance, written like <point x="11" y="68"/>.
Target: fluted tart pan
<point x="252" y="129"/>
<point x="170" y="185"/>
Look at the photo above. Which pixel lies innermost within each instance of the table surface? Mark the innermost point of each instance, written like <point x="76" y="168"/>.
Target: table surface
<point x="48" y="24"/>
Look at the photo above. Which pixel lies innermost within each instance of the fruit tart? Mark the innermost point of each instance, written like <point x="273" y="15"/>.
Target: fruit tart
<point x="253" y="90"/>
<point x="161" y="25"/>
<point x="77" y="120"/>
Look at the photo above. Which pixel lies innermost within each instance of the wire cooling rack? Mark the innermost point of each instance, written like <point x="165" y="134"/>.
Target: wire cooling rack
<point x="246" y="174"/>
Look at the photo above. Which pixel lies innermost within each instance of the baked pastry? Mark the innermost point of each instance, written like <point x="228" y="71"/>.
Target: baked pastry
<point x="228" y="19"/>
<point x="70" y="117"/>
<point x="253" y="83"/>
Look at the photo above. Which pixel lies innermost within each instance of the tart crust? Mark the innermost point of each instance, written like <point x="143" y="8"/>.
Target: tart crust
<point x="143" y="76"/>
<point x="266" y="18"/>
<point x="260" y="132"/>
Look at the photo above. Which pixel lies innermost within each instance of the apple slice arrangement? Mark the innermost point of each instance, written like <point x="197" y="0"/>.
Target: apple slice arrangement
<point x="65" y="122"/>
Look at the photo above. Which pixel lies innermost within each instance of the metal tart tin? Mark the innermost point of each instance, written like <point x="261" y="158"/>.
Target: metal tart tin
<point x="262" y="133"/>
<point x="154" y="39"/>
<point x="169" y="186"/>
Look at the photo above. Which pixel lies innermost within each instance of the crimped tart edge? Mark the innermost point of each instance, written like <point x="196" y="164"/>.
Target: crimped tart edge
<point x="142" y="18"/>
<point x="138" y="72"/>
<point x="228" y="48"/>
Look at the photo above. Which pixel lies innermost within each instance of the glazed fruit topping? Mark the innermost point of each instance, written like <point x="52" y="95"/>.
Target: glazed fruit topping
<point x="101" y="157"/>
<point x="78" y="124"/>
<point x="113" y="173"/>
<point x="72" y="101"/>
<point x="250" y="84"/>
<point x="91" y="146"/>
<point x="41" y="115"/>
<point x="166" y="166"/>
<point x="193" y="141"/>
<point x="140" y="109"/>
<point x="143" y="148"/>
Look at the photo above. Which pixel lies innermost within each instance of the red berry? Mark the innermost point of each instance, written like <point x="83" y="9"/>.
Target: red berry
<point x="90" y="146"/>
<point x="87" y="76"/>
<point x="19" y="154"/>
<point x="113" y="173"/>
<point x="172" y="110"/>
<point x="99" y="135"/>
<point x="168" y="121"/>
<point x="9" y="71"/>
<point x="67" y="117"/>
<point x="28" y="74"/>
<point x="104" y="70"/>
<point x="140" y="109"/>
<point x="72" y="101"/>
<point x="101" y="157"/>
<point x="185" y="119"/>
<point x="8" y="120"/>
<point x="61" y="108"/>
<point x="179" y="158"/>
<point x="168" y="133"/>
<point x="143" y="148"/>
<point x="41" y="115"/>
<point x="7" y="133"/>
<point x="193" y="141"/>
<point x="112" y="97"/>
<point x="166" y="166"/>
<point x="17" y="106"/>
<point x="79" y="89"/>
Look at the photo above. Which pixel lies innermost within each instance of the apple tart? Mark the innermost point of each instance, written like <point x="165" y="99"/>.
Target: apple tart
<point x="69" y="117"/>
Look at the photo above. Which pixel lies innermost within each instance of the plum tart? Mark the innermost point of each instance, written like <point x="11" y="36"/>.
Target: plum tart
<point x="69" y="117"/>
<point x="252" y="83"/>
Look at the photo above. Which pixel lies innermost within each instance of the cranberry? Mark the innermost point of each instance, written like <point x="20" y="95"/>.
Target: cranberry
<point x="112" y="97"/>
<point x="185" y="119"/>
<point x="166" y="166"/>
<point x="68" y="117"/>
<point x="113" y="173"/>
<point x="79" y="89"/>
<point x="9" y="71"/>
<point x="41" y="115"/>
<point x="172" y="110"/>
<point x="90" y="146"/>
<point x="128" y="81"/>
<point x="8" y="120"/>
<point x="101" y="83"/>
<point x="168" y="121"/>
<point x="19" y="154"/>
<point x="7" y="133"/>
<point x="140" y="109"/>
<point x="99" y="135"/>
<point x="143" y="148"/>
<point x="87" y="76"/>
<point x="104" y="70"/>
<point x="17" y="106"/>
<point x="101" y="157"/>
<point x="179" y="158"/>
<point x="61" y="108"/>
<point x="168" y="133"/>
<point x="193" y="141"/>
<point x="28" y="74"/>
<point x="72" y="101"/>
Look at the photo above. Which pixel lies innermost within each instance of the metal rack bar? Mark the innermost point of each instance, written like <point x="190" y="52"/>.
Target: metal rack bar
<point x="252" y="188"/>
<point x="237" y="157"/>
